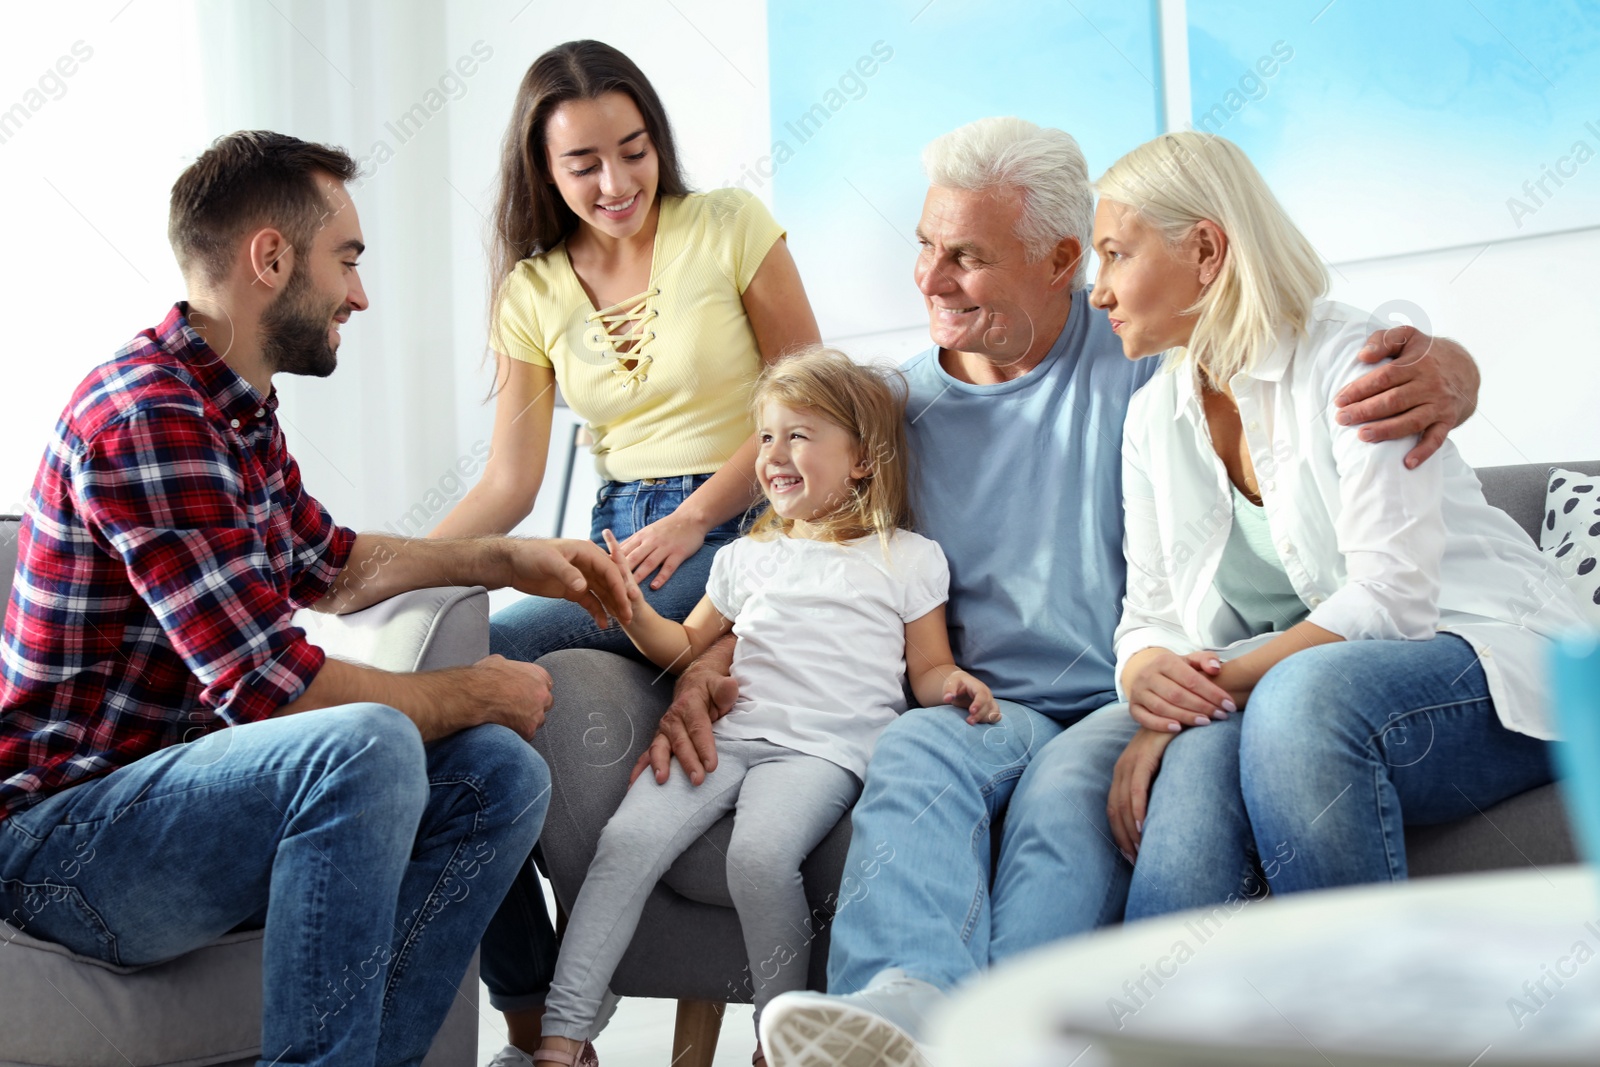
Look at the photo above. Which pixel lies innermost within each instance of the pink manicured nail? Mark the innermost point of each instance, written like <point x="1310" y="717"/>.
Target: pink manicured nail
<point x="1228" y="705"/>
<point x="1219" y="715"/>
<point x="1216" y="665"/>
<point x="1202" y="720"/>
<point x="1173" y="727"/>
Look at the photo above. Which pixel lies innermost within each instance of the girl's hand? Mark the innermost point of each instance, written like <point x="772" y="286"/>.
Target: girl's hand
<point x="1167" y="692"/>
<point x="663" y="544"/>
<point x="635" y="594"/>
<point x="1129" y="801"/>
<point x="965" y="691"/>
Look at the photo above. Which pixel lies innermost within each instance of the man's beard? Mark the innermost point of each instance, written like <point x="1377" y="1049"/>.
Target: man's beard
<point x="294" y="331"/>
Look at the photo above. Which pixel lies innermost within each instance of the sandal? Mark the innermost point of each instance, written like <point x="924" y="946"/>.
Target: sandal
<point x="584" y="1057"/>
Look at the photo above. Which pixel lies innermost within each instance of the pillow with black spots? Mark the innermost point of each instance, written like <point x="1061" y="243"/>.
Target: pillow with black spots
<point x="1570" y="536"/>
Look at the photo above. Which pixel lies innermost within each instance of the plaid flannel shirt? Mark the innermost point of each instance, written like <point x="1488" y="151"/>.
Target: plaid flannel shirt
<point x="166" y="543"/>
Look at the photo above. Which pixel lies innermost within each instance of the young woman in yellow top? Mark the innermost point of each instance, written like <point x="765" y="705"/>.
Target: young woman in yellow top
<point x="652" y="308"/>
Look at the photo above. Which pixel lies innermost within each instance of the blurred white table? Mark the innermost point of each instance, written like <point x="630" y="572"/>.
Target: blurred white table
<point x="1500" y="968"/>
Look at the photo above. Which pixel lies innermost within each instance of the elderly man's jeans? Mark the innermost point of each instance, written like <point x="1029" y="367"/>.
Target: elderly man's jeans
<point x="916" y="893"/>
<point x="373" y="861"/>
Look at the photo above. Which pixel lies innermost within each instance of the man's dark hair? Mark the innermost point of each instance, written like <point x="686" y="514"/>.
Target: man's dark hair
<point x="245" y="181"/>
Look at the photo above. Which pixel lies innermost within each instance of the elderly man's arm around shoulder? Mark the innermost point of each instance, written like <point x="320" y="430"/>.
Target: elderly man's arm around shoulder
<point x="1429" y="388"/>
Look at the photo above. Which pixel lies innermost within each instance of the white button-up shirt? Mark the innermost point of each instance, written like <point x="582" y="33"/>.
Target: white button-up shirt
<point x="1375" y="551"/>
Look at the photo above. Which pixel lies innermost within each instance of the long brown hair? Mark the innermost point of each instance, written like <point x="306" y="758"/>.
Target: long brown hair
<point x="530" y="218"/>
<point x="870" y="404"/>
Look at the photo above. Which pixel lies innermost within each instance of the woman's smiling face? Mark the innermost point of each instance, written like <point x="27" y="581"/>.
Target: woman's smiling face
<point x="602" y="162"/>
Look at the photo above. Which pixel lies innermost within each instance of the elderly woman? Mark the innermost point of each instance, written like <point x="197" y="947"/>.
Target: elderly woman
<point x="1320" y="644"/>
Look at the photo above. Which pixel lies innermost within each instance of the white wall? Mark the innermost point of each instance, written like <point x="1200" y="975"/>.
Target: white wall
<point x="1528" y="311"/>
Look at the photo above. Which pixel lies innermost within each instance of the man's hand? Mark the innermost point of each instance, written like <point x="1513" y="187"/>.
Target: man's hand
<point x="629" y="580"/>
<point x="510" y="693"/>
<point x="571" y="570"/>
<point x="704" y="694"/>
<point x="1131" y="779"/>
<point x="1430" y="389"/>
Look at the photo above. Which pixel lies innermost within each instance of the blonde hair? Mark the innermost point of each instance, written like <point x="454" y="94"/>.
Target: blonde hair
<point x="1044" y="164"/>
<point x="1270" y="274"/>
<point x="870" y="404"/>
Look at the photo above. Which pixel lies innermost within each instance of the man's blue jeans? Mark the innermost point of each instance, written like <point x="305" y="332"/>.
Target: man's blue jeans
<point x="916" y="892"/>
<point x="1339" y="749"/>
<point x="374" y="863"/>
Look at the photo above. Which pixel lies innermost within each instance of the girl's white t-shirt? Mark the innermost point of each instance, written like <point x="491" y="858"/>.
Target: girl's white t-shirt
<point x="821" y="658"/>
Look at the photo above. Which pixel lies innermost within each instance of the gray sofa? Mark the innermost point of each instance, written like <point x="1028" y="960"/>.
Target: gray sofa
<point x="59" y="1009"/>
<point x="688" y="945"/>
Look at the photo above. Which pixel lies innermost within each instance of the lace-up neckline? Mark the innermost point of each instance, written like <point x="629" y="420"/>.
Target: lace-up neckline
<point x="623" y="332"/>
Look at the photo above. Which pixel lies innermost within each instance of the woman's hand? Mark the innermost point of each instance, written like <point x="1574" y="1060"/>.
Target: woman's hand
<point x="663" y="544"/>
<point x="964" y="691"/>
<point x="1167" y="692"/>
<point x="1129" y="801"/>
<point x="635" y="594"/>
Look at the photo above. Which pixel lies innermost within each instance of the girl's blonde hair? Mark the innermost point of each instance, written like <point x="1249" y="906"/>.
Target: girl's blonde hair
<point x="1270" y="274"/>
<point x="870" y="404"/>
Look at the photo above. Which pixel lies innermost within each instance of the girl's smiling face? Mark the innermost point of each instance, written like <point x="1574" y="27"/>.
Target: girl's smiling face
<point x="602" y="162"/>
<point x="1145" y="285"/>
<point x="807" y="464"/>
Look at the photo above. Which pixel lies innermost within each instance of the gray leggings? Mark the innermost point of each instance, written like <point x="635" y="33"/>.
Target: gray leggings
<point x="786" y="802"/>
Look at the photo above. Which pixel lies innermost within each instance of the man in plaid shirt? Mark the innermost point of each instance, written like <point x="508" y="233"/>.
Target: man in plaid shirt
<point x="176" y="760"/>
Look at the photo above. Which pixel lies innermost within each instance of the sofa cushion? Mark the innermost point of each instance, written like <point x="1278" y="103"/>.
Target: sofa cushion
<point x="202" y="1008"/>
<point x="1570" y="534"/>
<point x="8" y="558"/>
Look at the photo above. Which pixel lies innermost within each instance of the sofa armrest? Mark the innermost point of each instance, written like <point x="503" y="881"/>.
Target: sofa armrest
<point x="422" y="630"/>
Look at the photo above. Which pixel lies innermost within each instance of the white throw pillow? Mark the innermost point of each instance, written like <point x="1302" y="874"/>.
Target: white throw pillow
<point x="1570" y="534"/>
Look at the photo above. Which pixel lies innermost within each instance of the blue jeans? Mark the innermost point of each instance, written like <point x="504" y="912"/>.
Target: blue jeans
<point x="534" y="626"/>
<point x="1339" y="749"/>
<point x="519" y="949"/>
<point x="373" y="861"/>
<point x="916" y="892"/>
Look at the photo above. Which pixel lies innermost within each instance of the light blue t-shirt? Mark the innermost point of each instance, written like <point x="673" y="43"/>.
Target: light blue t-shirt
<point x="1021" y="485"/>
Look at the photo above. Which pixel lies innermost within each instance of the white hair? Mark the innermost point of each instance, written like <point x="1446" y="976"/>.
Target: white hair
<point x="1270" y="274"/>
<point x="1045" y="165"/>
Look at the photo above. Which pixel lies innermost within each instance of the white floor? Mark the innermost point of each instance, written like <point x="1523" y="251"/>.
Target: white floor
<point x="640" y="1034"/>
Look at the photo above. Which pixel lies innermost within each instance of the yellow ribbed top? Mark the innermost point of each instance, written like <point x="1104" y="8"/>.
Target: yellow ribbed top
<point x="683" y="407"/>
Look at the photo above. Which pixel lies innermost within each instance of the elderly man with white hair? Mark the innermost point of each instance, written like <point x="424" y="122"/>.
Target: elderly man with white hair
<point x="1015" y="418"/>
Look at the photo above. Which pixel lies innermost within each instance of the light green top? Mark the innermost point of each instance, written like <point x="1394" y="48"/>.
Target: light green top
<point x="1251" y="577"/>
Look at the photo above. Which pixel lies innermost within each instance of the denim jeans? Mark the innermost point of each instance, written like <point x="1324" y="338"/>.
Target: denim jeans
<point x="916" y="892"/>
<point x="519" y="949"/>
<point x="534" y="626"/>
<point x="1339" y="749"/>
<point x="373" y="861"/>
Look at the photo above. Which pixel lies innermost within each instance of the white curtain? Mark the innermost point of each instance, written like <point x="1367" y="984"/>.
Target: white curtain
<point x="378" y="435"/>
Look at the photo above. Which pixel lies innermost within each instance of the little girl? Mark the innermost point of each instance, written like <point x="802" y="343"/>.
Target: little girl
<point x="835" y="603"/>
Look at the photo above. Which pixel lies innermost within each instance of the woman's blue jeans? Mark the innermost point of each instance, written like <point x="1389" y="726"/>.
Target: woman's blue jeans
<point x="372" y="860"/>
<point x="519" y="949"/>
<point x="1312" y="785"/>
